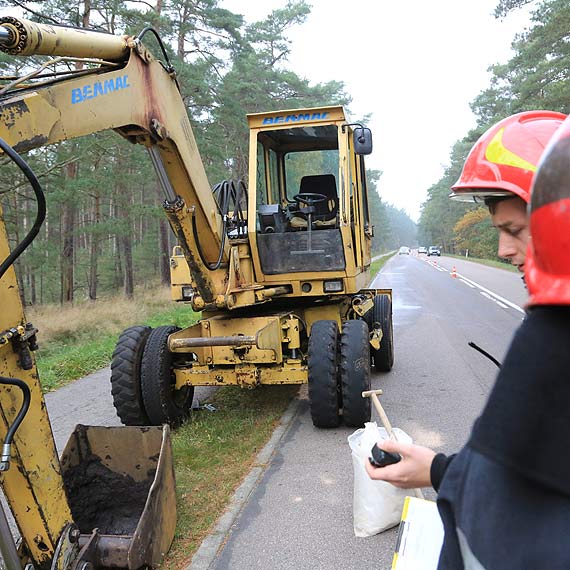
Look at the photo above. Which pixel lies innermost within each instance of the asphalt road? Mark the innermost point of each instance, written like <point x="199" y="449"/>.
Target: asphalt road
<point x="88" y="401"/>
<point x="300" y="514"/>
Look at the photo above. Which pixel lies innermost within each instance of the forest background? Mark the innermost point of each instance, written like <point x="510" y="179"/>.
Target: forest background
<point x="105" y="229"/>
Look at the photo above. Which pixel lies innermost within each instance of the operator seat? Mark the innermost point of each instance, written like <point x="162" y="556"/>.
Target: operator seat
<point x="326" y="211"/>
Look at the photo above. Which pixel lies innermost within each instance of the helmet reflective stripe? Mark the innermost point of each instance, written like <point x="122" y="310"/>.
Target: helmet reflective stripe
<point x="498" y="154"/>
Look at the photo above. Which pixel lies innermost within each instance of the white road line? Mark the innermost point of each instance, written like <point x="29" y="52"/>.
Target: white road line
<point x="501" y="301"/>
<point x="493" y="299"/>
<point x="494" y="296"/>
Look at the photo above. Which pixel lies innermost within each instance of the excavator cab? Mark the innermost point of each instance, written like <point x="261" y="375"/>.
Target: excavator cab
<point x="308" y="198"/>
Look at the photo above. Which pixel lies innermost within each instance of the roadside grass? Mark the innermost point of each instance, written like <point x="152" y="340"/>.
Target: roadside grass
<point x="490" y="262"/>
<point x="213" y="452"/>
<point x="375" y="266"/>
<point x="75" y="341"/>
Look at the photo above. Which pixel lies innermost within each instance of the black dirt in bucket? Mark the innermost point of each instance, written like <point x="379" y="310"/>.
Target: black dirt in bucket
<point x="103" y="499"/>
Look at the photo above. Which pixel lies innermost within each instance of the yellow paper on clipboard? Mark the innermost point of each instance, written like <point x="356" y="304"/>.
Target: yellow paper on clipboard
<point x="420" y="536"/>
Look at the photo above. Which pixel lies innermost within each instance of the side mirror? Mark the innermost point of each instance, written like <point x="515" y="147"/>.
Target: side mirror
<point x="362" y="140"/>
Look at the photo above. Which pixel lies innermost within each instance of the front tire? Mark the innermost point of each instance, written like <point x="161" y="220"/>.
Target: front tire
<point x="163" y="404"/>
<point x="323" y="364"/>
<point x="355" y="372"/>
<point x="126" y="376"/>
<point x="384" y="356"/>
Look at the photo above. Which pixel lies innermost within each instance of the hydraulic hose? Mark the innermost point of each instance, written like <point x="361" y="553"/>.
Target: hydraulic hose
<point x="218" y="262"/>
<point x="41" y="213"/>
<point x="5" y="460"/>
<point x="227" y="193"/>
<point x="17" y="251"/>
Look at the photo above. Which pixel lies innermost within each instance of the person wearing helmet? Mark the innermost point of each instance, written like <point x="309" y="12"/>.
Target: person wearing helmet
<point x="505" y="498"/>
<point x="449" y="476"/>
<point x="499" y="170"/>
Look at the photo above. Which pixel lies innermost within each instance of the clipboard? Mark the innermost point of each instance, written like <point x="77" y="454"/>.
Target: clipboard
<point x="420" y="536"/>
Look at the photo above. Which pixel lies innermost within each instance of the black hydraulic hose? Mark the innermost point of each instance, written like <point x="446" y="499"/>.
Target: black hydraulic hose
<point x="23" y="410"/>
<point x="210" y="266"/>
<point x="158" y="39"/>
<point x="225" y="193"/>
<point x="238" y="218"/>
<point x="40" y="197"/>
<point x="485" y="353"/>
<point x="169" y="67"/>
<point x="5" y="462"/>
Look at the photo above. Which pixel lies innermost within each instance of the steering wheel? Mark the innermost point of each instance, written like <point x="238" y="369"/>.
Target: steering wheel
<point x="310" y="198"/>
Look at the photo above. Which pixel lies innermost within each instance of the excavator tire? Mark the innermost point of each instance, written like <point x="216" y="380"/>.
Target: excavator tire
<point x="163" y="404"/>
<point x="125" y="376"/>
<point x="323" y="363"/>
<point x="355" y="372"/>
<point x="384" y="356"/>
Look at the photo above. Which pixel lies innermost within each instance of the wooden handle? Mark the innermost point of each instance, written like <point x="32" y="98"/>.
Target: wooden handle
<point x="372" y="394"/>
<point x="383" y="417"/>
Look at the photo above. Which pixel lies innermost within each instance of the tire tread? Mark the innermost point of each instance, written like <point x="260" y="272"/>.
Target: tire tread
<point x="323" y="388"/>
<point x="355" y="372"/>
<point x="125" y="376"/>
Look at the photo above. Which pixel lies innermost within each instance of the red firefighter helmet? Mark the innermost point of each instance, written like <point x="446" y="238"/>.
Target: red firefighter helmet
<point x="547" y="268"/>
<point x="504" y="159"/>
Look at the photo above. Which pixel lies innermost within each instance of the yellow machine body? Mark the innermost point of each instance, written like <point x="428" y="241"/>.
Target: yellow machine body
<point x="298" y="257"/>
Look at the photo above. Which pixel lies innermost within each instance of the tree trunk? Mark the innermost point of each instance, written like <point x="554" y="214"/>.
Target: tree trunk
<point x="33" y="295"/>
<point x="181" y="39"/>
<point x="68" y="216"/>
<point x="94" y="251"/>
<point x="128" y="259"/>
<point x="164" y="267"/>
<point x="163" y="243"/>
<point x="124" y="207"/>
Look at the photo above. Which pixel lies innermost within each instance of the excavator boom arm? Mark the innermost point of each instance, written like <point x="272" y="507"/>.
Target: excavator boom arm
<point x="138" y="98"/>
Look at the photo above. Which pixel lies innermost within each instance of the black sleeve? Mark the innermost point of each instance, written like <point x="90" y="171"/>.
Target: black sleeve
<point x="438" y="468"/>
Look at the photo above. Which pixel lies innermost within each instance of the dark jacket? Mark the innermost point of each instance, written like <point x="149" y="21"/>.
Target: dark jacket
<point x="505" y="498"/>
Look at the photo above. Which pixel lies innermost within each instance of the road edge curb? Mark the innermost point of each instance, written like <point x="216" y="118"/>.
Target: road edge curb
<point x="212" y="544"/>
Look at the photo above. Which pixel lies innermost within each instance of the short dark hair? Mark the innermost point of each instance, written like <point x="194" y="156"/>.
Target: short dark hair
<point x="492" y="201"/>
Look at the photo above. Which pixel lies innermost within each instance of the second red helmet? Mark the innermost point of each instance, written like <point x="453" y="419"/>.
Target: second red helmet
<point x="504" y="159"/>
<point x="547" y="269"/>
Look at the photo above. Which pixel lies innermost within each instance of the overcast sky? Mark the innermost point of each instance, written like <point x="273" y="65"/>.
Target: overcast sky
<point x="414" y="64"/>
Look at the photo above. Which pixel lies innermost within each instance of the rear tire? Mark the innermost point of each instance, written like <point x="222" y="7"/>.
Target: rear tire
<point x="355" y="372"/>
<point x="126" y="376"/>
<point x="163" y="404"/>
<point x="323" y="364"/>
<point x="384" y="356"/>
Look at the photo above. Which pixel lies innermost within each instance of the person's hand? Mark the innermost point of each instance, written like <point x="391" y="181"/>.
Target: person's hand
<point x="413" y="470"/>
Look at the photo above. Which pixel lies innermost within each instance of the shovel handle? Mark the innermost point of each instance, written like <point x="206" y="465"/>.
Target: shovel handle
<point x="383" y="417"/>
<point x="387" y="425"/>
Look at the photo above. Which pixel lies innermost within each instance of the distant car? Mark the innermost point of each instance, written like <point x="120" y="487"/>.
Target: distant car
<point x="433" y="250"/>
<point x="422" y="249"/>
<point x="404" y="251"/>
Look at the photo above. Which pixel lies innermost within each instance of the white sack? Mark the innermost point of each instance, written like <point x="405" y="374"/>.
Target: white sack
<point x="377" y="505"/>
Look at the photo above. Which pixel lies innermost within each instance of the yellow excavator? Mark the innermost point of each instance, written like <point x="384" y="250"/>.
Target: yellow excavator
<point x="278" y="268"/>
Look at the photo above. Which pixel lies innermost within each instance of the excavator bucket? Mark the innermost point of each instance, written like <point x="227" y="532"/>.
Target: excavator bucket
<point x="120" y="487"/>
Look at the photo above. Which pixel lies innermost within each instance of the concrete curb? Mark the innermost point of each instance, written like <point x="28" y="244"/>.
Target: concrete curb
<point x="211" y="545"/>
